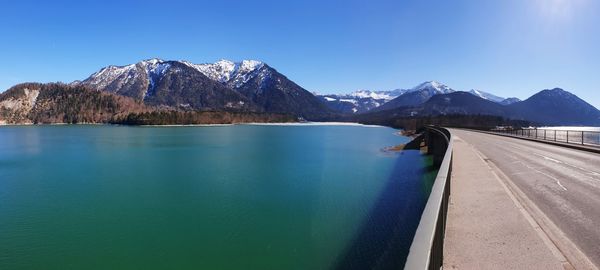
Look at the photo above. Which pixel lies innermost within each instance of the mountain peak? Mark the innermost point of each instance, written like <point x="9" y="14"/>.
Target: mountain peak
<point x="433" y="86"/>
<point x="430" y="84"/>
<point x="555" y="92"/>
<point x="486" y="95"/>
<point x="433" y="83"/>
<point x="510" y="100"/>
<point x="223" y="61"/>
<point x="152" y="61"/>
<point x="226" y="71"/>
<point x="244" y="64"/>
<point x="250" y="65"/>
<point x="560" y="91"/>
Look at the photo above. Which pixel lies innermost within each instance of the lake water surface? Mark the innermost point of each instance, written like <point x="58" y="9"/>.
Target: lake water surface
<point x="226" y="197"/>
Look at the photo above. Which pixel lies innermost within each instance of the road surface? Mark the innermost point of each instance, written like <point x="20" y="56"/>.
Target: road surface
<point x="563" y="183"/>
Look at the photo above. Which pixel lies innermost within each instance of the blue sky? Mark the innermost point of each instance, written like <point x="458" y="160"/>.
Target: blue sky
<point x="507" y="47"/>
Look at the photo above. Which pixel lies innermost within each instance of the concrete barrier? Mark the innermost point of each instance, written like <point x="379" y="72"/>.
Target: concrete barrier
<point x="427" y="248"/>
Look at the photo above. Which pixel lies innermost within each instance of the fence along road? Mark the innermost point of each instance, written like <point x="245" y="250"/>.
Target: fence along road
<point x="591" y="138"/>
<point x="563" y="183"/>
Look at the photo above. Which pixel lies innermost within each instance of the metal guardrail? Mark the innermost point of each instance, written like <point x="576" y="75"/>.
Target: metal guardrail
<point x="427" y="248"/>
<point x="567" y="136"/>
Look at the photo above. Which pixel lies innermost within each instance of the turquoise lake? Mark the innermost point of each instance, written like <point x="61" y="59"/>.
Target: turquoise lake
<point x="218" y="197"/>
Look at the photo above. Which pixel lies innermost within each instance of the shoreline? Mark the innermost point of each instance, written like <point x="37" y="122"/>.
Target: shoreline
<point x="52" y="124"/>
<point x="311" y="124"/>
<point x="206" y="125"/>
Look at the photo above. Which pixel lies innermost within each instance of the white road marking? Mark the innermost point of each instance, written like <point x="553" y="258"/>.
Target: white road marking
<point x="571" y="165"/>
<point x="541" y="172"/>
<point x="534" y="169"/>
<point x="586" y="171"/>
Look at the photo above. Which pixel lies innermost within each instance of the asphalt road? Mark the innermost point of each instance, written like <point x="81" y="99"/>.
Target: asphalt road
<point x="563" y="183"/>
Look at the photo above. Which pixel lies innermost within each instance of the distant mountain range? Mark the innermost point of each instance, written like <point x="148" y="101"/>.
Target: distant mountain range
<point x="553" y="107"/>
<point x="365" y="100"/>
<point x="158" y="91"/>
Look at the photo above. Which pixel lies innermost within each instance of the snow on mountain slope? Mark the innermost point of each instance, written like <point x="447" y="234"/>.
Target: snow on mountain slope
<point x="432" y="88"/>
<point x="234" y="74"/>
<point x="116" y="77"/>
<point x="510" y="100"/>
<point x="417" y="95"/>
<point x="351" y="103"/>
<point x="107" y="75"/>
<point x="251" y="83"/>
<point x="486" y="95"/>
<point x="358" y="101"/>
<point x="381" y="95"/>
<point x="366" y="100"/>
<point x="155" y="69"/>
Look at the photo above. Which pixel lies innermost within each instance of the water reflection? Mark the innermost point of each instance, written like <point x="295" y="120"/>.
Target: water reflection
<point x="384" y="240"/>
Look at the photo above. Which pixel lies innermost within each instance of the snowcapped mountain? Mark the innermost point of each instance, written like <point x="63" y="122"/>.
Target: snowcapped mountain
<point x="486" y="95"/>
<point x="351" y="104"/>
<point x="494" y="98"/>
<point x="553" y="107"/>
<point x="135" y="80"/>
<point x="264" y="86"/>
<point x="364" y="100"/>
<point x="377" y="95"/>
<point x="432" y="88"/>
<point x="246" y="85"/>
<point x="234" y="74"/>
<point x="359" y="101"/>
<point x="510" y="100"/>
<point x="417" y="95"/>
<point x="167" y="83"/>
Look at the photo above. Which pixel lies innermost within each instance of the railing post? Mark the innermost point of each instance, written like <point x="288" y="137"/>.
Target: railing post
<point x="567" y="136"/>
<point x="544" y="134"/>
<point x="555" y="135"/>
<point x="582" y="138"/>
